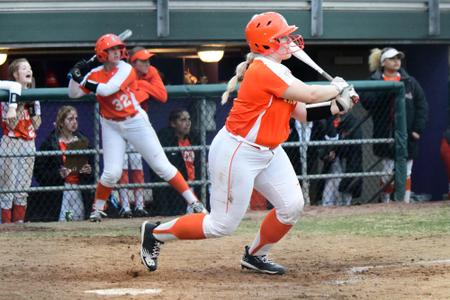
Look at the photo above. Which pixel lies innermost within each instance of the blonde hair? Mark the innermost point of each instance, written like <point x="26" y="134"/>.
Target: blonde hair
<point x="374" y="59"/>
<point x="240" y="71"/>
<point x="61" y="116"/>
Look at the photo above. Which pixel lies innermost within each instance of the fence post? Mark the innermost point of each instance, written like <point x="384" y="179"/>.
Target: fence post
<point x="97" y="141"/>
<point x="304" y="160"/>
<point x="203" y="174"/>
<point x="401" y="145"/>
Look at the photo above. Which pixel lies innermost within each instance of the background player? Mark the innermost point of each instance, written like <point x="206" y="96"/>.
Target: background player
<point x="19" y="123"/>
<point x="246" y="153"/>
<point x="122" y="120"/>
<point x="152" y="87"/>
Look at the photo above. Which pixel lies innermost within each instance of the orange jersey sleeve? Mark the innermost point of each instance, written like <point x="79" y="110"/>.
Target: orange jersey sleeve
<point x="153" y="85"/>
<point x="116" y="90"/>
<point x="259" y="112"/>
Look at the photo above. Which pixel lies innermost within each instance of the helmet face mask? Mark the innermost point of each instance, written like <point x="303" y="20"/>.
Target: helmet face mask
<point x="285" y="42"/>
<point x="106" y="42"/>
<point x="265" y="33"/>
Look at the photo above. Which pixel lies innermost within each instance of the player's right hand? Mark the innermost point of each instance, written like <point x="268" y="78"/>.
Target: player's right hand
<point x="339" y="83"/>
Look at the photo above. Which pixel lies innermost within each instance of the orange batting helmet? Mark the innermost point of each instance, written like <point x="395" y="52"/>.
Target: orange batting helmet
<point x="107" y="41"/>
<point x="263" y="31"/>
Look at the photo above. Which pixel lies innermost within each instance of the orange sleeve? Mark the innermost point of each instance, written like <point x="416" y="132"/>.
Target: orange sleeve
<point x="153" y="85"/>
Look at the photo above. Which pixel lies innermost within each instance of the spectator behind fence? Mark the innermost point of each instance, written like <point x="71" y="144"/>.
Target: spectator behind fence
<point x="445" y="154"/>
<point x="115" y="86"/>
<point x="311" y="131"/>
<point x="63" y="170"/>
<point x="151" y="86"/>
<point x="341" y="159"/>
<point x="166" y="202"/>
<point x="386" y="65"/>
<point x="19" y="132"/>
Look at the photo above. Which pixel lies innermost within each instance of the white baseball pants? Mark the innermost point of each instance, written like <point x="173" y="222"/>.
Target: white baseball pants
<point x="16" y="172"/>
<point x="235" y="168"/>
<point x="140" y="134"/>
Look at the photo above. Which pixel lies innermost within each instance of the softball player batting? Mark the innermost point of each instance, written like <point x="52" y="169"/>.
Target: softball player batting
<point x="122" y="120"/>
<point x="246" y="153"/>
<point x="150" y="83"/>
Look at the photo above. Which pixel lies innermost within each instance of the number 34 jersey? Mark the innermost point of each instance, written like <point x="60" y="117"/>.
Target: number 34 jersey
<point x="116" y="90"/>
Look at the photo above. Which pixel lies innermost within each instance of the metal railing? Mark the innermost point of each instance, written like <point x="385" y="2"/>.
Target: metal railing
<point x="204" y="93"/>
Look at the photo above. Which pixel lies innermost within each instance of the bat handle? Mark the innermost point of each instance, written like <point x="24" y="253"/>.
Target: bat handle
<point x="353" y="95"/>
<point x="326" y="76"/>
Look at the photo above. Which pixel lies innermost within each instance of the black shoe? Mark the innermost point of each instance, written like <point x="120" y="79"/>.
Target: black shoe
<point x="125" y="213"/>
<point x="149" y="246"/>
<point x="260" y="264"/>
<point x="140" y="212"/>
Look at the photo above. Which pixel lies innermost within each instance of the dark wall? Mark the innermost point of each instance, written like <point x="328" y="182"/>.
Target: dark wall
<point x="430" y="66"/>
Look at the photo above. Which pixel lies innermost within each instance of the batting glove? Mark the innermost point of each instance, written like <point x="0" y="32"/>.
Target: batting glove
<point x="344" y="100"/>
<point x="339" y="83"/>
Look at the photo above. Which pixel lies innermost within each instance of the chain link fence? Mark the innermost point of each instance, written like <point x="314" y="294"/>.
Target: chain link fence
<point x="338" y="161"/>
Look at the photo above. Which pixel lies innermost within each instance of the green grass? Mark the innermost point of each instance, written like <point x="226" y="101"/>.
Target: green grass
<point x="423" y="221"/>
<point x="414" y="222"/>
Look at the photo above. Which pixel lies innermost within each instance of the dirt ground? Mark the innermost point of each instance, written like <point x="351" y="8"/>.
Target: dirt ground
<point x="319" y="266"/>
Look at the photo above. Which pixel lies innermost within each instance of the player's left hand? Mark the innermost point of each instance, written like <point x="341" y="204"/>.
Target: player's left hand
<point x="344" y="100"/>
<point x="79" y="70"/>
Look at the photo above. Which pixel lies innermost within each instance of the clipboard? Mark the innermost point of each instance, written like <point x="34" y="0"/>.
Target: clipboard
<point x="75" y="162"/>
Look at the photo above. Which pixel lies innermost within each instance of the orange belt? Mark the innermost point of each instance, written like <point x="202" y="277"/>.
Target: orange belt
<point x="120" y="119"/>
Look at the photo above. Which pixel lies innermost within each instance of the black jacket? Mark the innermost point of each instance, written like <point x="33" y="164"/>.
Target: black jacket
<point x="381" y="107"/>
<point x="46" y="206"/>
<point x="167" y="201"/>
<point x="348" y="129"/>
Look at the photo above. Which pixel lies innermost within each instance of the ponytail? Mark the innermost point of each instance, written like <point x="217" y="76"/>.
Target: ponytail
<point x="374" y="59"/>
<point x="240" y="71"/>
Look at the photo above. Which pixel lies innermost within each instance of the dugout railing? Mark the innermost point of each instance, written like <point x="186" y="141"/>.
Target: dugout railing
<point x="208" y="117"/>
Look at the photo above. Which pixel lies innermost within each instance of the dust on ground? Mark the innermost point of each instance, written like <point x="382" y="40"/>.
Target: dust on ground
<point x="64" y="266"/>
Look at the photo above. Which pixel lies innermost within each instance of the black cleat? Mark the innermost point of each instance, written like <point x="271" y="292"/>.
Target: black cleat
<point x="149" y="246"/>
<point x="125" y="213"/>
<point x="261" y="264"/>
<point x="140" y="212"/>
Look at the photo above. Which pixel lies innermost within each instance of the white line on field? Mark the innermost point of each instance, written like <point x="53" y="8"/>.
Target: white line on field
<point x="125" y="292"/>
<point x="356" y="270"/>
